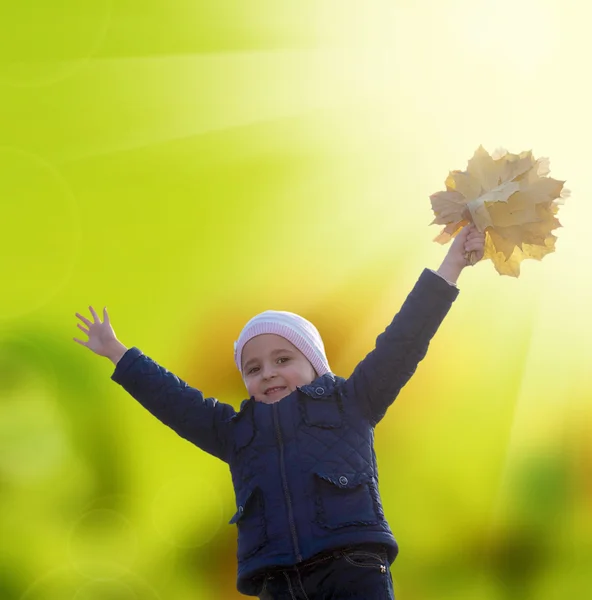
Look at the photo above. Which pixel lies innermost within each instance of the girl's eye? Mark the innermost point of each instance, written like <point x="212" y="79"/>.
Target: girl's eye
<point x="283" y="359"/>
<point x="252" y="370"/>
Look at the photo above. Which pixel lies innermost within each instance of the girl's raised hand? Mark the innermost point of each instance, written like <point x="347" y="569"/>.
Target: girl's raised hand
<point x="101" y="337"/>
<point x="469" y="239"/>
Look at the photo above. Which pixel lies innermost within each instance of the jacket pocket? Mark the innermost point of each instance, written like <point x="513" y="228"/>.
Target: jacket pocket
<point x="346" y="499"/>
<point x="250" y="520"/>
<point x="362" y="559"/>
<point x="321" y="412"/>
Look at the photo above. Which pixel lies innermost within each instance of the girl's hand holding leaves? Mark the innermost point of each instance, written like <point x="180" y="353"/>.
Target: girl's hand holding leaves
<point x="508" y="197"/>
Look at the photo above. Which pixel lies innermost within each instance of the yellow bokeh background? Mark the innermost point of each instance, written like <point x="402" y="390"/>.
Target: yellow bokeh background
<point x="188" y="165"/>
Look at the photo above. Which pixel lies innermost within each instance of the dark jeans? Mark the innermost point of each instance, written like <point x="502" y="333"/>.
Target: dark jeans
<point x="357" y="573"/>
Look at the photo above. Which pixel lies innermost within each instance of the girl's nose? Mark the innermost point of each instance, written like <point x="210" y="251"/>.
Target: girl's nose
<point x="268" y="371"/>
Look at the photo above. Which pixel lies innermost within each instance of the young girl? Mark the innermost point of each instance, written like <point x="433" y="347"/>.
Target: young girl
<point x="300" y="450"/>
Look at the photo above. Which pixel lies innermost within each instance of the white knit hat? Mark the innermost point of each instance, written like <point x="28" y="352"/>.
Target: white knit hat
<point x="296" y="329"/>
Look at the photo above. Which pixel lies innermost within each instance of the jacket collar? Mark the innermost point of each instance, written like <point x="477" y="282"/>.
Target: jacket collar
<point x="321" y="387"/>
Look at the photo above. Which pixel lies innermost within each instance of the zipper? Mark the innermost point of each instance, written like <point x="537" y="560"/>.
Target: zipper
<point x="285" y="484"/>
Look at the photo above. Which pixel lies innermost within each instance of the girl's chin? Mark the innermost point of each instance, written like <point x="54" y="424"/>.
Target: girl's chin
<point x="266" y="400"/>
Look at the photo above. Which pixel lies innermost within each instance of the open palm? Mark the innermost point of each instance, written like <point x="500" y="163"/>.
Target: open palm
<point x="101" y="336"/>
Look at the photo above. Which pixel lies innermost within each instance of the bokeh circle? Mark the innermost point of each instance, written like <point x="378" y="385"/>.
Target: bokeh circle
<point x="103" y="541"/>
<point x="64" y="583"/>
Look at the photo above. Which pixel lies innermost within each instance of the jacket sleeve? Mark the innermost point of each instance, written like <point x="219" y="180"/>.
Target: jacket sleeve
<point x="202" y="421"/>
<point x="378" y="379"/>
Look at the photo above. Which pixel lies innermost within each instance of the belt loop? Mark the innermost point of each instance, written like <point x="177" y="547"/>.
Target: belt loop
<point x="289" y="585"/>
<point x="301" y="584"/>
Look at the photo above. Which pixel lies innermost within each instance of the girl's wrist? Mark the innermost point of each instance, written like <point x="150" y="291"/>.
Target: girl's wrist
<point x="115" y="352"/>
<point x="451" y="270"/>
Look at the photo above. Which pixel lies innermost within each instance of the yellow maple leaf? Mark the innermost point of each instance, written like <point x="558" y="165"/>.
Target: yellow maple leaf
<point x="509" y="197"/>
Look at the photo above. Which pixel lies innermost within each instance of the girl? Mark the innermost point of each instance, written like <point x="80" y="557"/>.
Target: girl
<point x="300" y="449"/>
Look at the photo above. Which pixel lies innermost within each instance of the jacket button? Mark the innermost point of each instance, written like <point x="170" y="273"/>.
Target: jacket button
<point x="240" y="510"/>
<point x="343" y="480"/>
<point x="319" y="391"/>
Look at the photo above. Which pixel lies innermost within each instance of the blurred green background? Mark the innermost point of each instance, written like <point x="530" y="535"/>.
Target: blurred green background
<point x="189" y="164"/>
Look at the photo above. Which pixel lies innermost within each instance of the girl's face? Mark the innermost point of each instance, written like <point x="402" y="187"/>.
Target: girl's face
<point x="272" y="367"/>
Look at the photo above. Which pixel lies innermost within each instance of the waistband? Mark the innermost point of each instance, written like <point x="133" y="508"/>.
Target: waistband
<point x="334" y="553"/>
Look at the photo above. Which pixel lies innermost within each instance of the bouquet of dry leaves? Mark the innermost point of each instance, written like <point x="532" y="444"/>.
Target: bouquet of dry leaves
<point x="509" y="197"/>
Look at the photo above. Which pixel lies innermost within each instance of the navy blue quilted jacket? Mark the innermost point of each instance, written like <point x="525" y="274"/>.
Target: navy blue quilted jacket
<point x="304" y="469"/>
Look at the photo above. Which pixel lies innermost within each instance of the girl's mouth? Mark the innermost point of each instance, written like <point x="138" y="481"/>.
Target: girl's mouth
<point x="274" y="389"/>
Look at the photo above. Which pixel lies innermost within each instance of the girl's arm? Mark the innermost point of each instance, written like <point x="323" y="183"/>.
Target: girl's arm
<point x="202" y="421"/>
<point x="378" y="379"/>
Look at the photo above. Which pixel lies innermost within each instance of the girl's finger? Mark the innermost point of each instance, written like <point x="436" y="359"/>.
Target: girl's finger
<point x="469" y="247"/>
<point x="466" y="232"/>
<point x="79" y="341"/>
<point x="105" y="315"/>
<point x="94" y="314"/>
<point x="84" y="319"/>
<point x="476" y="236"/>
<point x="83" y="329"/>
